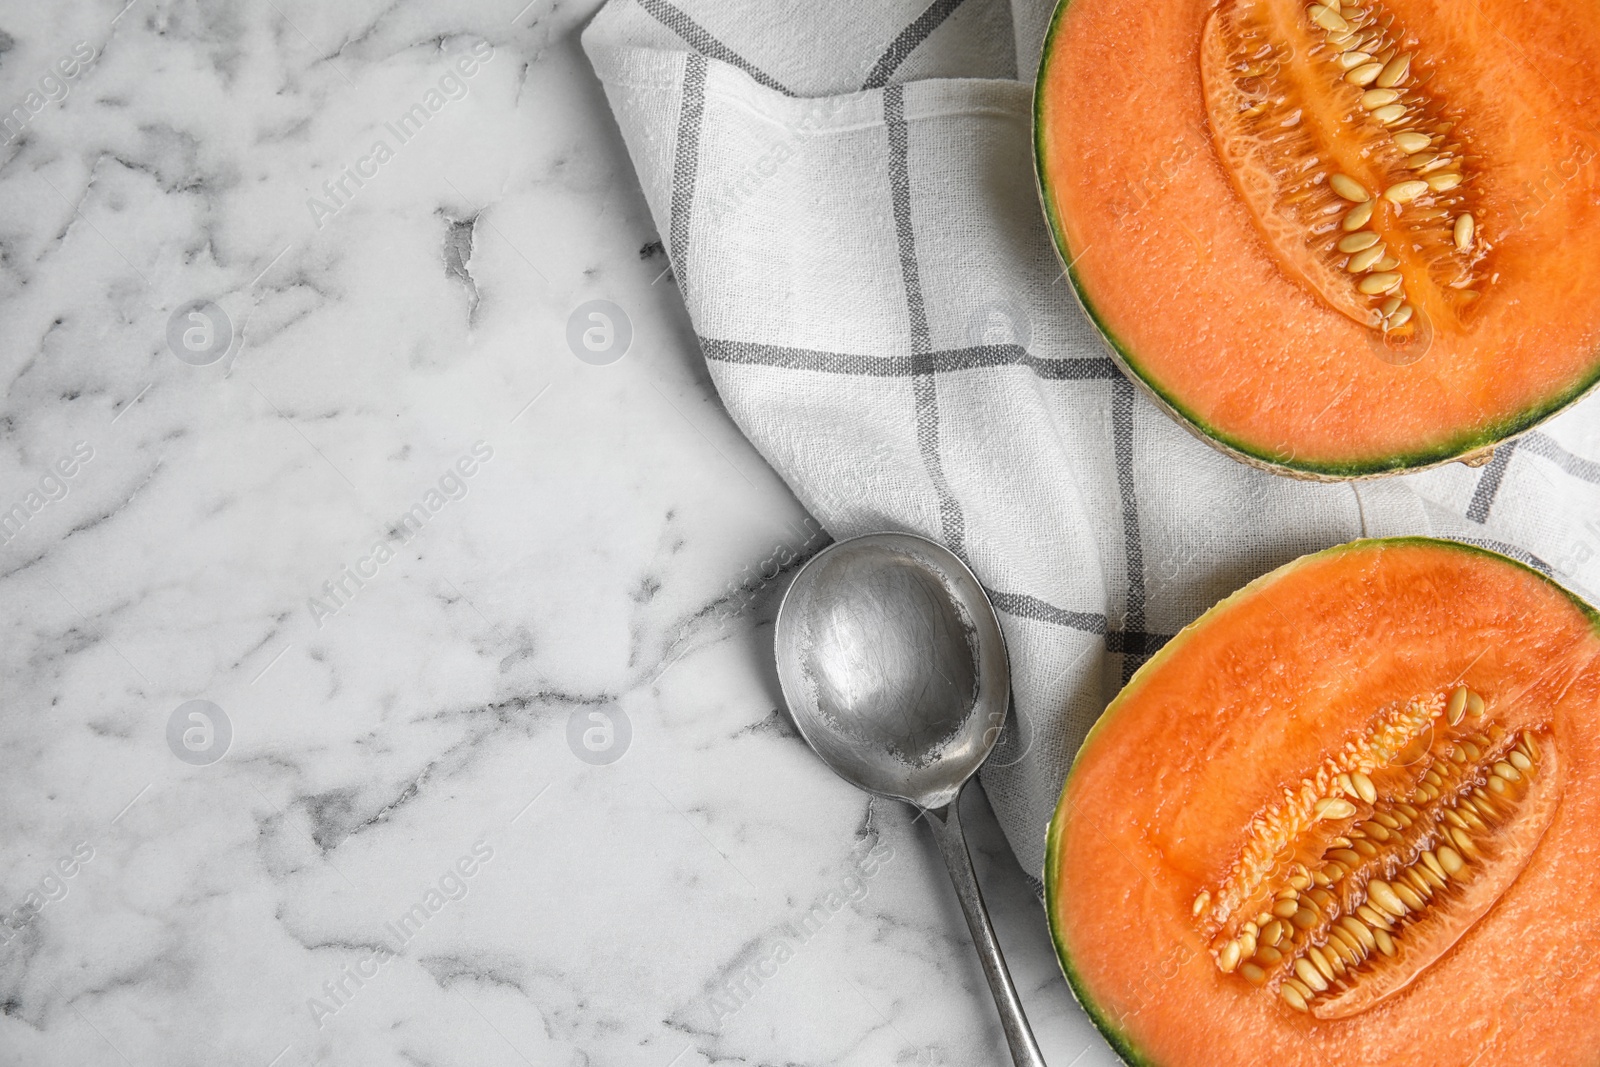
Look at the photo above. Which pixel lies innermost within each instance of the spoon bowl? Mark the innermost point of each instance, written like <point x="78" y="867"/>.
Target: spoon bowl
<point x="893" y="665"/>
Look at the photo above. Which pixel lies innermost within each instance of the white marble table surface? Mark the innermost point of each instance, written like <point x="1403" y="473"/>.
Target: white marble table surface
<point x="292" y="427"/>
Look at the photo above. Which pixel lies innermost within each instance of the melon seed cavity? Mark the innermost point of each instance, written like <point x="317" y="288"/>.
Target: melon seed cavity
<point x="1348" y="160"/>
<point x="1353" y="885"/>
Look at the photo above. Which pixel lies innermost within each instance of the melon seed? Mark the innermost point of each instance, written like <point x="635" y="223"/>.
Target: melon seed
<point x="1443" y="183"/>
<point x="1407" y="894"/>
<point x="1334" y="808"/>
<point x="1404" y="193"/>
<point x="1401" y="316"/>
<point x="1322" y="962"/>
<point x="1394" y="72"/>
<point x="1364" y="786"/>
<point x="1383" y="895"/>
<point x="1519" y="761"/>
<point x="1285" y="909"/>
<point x="1390" y="114"/>
<point x="1228" y="958"/>
<point x="1307" y="972"/>
<point x="1410" y="141"/>
<point x="1365" y="74"/>
<point x="1359" y="930"/>
<point x="1305" y="918"/>
<point x="1338" y="948"/>
<point x="1373" y="99"/>
<point x="1435" y="879"/>
<point x="1292" y="997"/>
<point x="1364" y="260"/>
<point x="1253" y="974"/>
<point x="1528" y="740"/>
<point x="1463" y="842"/>
<point x="1456" y="710"/>
<point x="1355" y="243"/>
<point x="1268" y="955"/>
<point x="1506" y="771"/>
<point x="1474" y="704"/>
<point x="1351" y="60"/>
<point x="1385" y="942"/>
<point x="1374" y="284"/>
<point x="1373" y="917"/>
<point x="1431" y="862"/>
<point x="1349" y="188"/>
<point x="1328" y="18"/>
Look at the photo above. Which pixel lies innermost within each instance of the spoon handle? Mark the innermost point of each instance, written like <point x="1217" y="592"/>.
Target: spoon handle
<point x="946" y="823"/>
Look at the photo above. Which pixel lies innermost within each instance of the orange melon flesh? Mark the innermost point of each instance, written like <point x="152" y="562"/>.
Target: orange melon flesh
<point x="1245" y="703"/>
<point x="1180" y="273"/>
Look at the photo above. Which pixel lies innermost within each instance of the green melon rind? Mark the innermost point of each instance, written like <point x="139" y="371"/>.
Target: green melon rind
<point x="1120" y="1042"/>
<point x="1464" y="446"/>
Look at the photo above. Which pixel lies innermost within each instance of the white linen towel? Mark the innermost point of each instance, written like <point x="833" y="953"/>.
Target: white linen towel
<point x="847" y="197"/>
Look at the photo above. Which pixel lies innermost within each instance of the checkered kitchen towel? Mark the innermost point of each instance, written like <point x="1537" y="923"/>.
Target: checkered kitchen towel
<point x="847" y="194"/>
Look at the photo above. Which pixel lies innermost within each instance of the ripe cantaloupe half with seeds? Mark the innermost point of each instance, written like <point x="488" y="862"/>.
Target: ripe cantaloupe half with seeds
<point x="1349" y="816"/>
<point x="1336" y="241"/>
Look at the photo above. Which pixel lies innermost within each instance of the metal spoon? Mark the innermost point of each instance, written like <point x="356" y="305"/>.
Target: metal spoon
<point x="894" y="668"/>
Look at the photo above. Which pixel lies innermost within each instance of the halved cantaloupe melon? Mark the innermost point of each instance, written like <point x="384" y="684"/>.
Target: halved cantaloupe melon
<point x="1347" y="816"/>
<point x="1335" y="241"/>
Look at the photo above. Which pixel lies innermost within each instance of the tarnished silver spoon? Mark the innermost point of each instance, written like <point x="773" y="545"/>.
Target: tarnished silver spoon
<point x="894" y="669"/>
